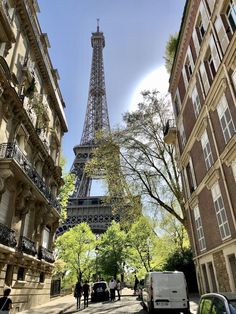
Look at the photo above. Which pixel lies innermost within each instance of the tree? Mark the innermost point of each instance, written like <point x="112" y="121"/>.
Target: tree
<point x="147" y="162"/>
<point x="76" y="249"/>
<point x="170" y="50"/>
<point x="66" y="189"/>
<point x="112" y="251"/>
<point x="106" y="163"/>
<point x="142" y="239"/>
<point x="182" y="260"/>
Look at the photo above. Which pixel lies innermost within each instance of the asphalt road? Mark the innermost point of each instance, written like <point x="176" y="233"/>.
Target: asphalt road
<point x="127" y="305"/>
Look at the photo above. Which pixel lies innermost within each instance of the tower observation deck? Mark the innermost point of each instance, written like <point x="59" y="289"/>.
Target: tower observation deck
<point x="81" y="206"/>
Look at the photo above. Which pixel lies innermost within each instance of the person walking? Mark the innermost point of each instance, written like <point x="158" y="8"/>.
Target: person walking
<point x="78" y="293"/>
<point x="86" y="290"/>
<point x="5" y="301"/>
<point x="112" y="286"/>
<point x="118" y="288"/>
<point x="136" y="282"/>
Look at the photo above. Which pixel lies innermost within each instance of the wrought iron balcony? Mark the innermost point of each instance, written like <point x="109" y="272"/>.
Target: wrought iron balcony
<point x="27" y="246"/>
<point x="46" y="255"/>
<point x="7" y="236"/>
<point x="169" y="132"/>
<point x="12" y="151"/>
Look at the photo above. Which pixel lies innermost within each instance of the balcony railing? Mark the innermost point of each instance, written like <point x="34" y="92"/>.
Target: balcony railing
<point x="12" y="151"/>
<point x="169" y="131"/>
<point x="44" y="56"/>
<point x="7" y="236"/>
<point x="46" y="255"/>
<point x="27" y="246"/>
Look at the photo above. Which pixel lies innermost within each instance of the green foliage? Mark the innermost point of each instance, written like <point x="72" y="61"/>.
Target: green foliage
<point x="182" y="260"/>
<point x="112" y="251"/>
<point x="170" y="50"/>
<point x="76" y="249"/>
<point x="106" y="162"/>
<point x="66" y="189"/>
<point x="142" y="239"/>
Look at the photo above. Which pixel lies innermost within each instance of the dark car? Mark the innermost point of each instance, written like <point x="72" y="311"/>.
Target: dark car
<point x="217" y="303"/>
<point x="100" y="291"/>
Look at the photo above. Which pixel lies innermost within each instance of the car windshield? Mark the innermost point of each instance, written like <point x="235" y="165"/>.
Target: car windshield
<point x="100" y="285"/>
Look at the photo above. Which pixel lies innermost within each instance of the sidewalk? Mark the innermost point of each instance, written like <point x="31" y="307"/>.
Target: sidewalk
<point x="60" y="305"/>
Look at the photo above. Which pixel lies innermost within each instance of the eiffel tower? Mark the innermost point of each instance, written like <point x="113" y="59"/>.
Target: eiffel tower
<point x="81" y="206"/>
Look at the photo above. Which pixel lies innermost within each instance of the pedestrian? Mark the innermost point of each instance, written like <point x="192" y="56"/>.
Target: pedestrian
<point x="86" y="290"/>
<point x="118" y="288"/>
<point x="5" y="301"/>
<point x="136" y="282"/>
<point x="112" y="286"/>
<point x="78" y="293"/>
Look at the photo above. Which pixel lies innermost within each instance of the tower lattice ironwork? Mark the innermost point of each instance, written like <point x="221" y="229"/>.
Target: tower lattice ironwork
<point x="81" y="206"/>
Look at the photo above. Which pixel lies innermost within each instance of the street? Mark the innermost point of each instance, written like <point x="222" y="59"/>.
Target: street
<point x="127" y="305"/>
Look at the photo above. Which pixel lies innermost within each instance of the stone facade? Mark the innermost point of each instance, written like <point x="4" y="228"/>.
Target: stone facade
<point x="203" y="91"/>
<point x="32" y="123"/>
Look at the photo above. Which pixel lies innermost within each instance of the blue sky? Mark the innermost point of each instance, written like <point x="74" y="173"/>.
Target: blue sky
<point x="136" y="32"/>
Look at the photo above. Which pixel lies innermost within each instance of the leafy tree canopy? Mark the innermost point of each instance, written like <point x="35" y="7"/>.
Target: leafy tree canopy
<point x="76" y="249"/>
<point x="170" y="50"/>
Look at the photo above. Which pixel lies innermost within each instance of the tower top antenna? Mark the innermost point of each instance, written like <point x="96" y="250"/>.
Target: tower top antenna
<point x="98" y="25"/>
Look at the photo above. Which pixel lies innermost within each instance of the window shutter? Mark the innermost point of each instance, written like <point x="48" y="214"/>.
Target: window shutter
<point x="192" y="173"/>
<point x="222" y="36"/>
<point x="190" y="56"/>
<point x="204" y="16"/>
<point x="234" y="79"/>
<point x="214" y="53"/>
<point x="45" y="241"/>
<point x="196" y="41"/>
<point x="4" y="206"/>
<point x="185" y="78"/>
<point x="211" y="4"/>
<point x="26" y="225"/>
<point x="204" y="77"/>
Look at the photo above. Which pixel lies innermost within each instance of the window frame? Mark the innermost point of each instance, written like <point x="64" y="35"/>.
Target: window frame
<point x="199" y="229"/>
<point x="207" y="152"/>
<point x="221" y="215"/>
<point x="225" y="118"/>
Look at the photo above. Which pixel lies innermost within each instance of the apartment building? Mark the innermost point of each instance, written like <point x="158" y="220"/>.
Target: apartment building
<point x="203" y="91"/>
<point x="32" y="123"/>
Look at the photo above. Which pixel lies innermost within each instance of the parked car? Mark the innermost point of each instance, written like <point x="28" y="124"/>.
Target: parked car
<point x="217" y="303"/>
<point x="100" y="291"/>
<point x="165" y="291"/>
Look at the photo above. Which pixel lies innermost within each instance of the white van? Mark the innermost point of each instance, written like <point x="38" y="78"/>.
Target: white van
<point x="165" y="291"/>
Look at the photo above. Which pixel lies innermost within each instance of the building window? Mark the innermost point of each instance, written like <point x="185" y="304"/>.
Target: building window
<point x="41" y="277"/>
<point x="220" y="212"/>
<point x="199" y="229"/>
<point x="46" y="236"/>
<point x="211" y="4"/>
<point x="176" y="106"/>
<point x="207" y="150"/>
<point x="196" y="102"/>
<point x="232" y="263"/>
<point x="223" y="39"/>
<point x="191" y="176"/>
<point x="226" y="120"/>
<point x="204" y="78"/>
<point x="9" y="275"/>
<point x="214" y="53"/>
<point x="204" y="271"/>
<point x="212" y="276"/>
<point x="182" y="135"/>
<point x="234" y="79"/>
<point x="21" y="274"/>
<point x="211" y="67"/>
<point x="234" y="169"/>
<point x="231" y="15"/>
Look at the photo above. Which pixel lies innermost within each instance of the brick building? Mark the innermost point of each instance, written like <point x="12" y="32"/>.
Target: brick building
<point x="203" y="91"/>
<point x="32" y="124"/>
